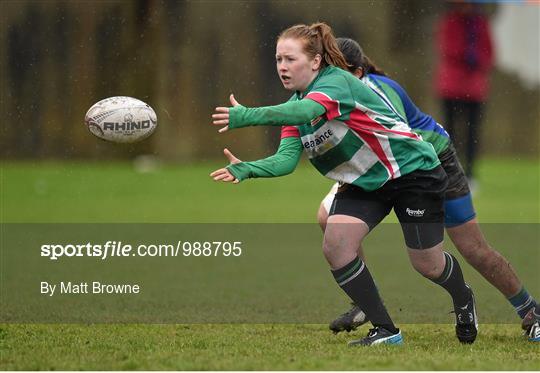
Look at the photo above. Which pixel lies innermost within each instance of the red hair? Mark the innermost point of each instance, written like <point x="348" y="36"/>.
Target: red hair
<point x="319" y="39"/>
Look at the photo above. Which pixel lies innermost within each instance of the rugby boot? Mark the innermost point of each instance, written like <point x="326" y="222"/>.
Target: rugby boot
<point x="531" y="324"/>
<point x="349" y="321"/>
<point x="379" y="335"/>
<point x="466" y="320"/>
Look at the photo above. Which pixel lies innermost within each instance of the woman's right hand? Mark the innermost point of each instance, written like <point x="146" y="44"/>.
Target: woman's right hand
<point x="221" y="116"/>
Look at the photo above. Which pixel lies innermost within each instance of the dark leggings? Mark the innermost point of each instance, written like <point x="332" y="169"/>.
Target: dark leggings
<point x="471" y="112"/>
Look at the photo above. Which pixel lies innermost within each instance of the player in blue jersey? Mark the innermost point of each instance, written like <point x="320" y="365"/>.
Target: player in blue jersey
<point x="460" y="216"/>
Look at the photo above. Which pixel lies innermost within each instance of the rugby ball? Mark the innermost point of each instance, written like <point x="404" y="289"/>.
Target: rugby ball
<point x="121" y="119"/>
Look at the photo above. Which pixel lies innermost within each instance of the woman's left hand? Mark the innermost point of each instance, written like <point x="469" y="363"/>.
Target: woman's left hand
<point x="221" y="117"/>
<point x="223" y="174"/>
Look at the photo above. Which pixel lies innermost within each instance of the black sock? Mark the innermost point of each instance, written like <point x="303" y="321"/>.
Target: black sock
<point x="355" y="280"/>
<point x="452" y="281"/>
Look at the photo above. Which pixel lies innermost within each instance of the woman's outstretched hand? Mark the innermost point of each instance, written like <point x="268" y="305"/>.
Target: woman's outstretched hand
<point x="223" y="174"/>
<point x="221" y="116"/>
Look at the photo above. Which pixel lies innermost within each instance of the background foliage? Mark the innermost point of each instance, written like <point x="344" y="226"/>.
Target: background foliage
<point x="185" y="57"/>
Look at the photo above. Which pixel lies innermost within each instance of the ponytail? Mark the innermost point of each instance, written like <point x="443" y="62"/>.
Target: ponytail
<point x="355" y="57"/>
<point x="330" y="52"/>
<point x="370" y="68"/>
<point x="318" y="39"/>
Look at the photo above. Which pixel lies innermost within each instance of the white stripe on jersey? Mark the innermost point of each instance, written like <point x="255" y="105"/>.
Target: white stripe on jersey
<point x="385" y="144"/>
<point x="359" y="164"/>
<point x="338" y="130"/>
<point x="371" y="84"/>
<point x="397" y="125"/>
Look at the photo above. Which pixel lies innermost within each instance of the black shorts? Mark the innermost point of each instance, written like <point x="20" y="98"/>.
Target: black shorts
<point x="458" y="185"/>
<point x="417" y="199"/>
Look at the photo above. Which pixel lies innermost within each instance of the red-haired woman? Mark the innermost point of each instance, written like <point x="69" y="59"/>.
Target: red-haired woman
<point x="354" y="137"/>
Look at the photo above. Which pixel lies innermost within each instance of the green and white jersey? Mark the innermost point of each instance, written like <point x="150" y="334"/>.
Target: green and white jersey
<point x="361" y="139"/>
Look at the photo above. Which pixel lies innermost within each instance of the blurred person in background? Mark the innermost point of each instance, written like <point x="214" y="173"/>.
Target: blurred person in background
<point x="465" y="58"/>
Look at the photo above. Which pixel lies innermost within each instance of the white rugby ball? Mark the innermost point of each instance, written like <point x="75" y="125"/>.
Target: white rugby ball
<point x="121" y="119"/>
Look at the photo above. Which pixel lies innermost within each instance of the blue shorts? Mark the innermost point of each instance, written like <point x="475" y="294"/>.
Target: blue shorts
<point x="458" y="211"/>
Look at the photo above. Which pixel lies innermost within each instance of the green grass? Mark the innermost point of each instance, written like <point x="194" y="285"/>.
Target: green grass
<point x="114" y="192"/>
<point x="254" y="347"/>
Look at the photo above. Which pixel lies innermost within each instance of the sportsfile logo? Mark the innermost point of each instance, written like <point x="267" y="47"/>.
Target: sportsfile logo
<point x="415" y="213"/>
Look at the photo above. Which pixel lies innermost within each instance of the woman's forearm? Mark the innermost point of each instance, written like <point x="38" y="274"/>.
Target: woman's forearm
<point x="292" y="113"/>
<point x="283" y="162"/>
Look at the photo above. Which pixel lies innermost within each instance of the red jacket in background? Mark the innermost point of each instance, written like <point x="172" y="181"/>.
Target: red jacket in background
<point x="465" y="56"/>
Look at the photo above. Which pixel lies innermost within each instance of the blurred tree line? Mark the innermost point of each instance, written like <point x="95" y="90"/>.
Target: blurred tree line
<point x="185" y="57"/>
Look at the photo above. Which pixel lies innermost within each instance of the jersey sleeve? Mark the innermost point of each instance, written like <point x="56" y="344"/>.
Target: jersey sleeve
<point x="333" y="93"/>
<point x="289" y="131"/>
<point x="283" y="162"/>
<point x="291" y="113"/>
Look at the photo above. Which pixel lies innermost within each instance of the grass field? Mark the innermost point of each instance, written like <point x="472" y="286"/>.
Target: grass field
<point x="105" y="192"/>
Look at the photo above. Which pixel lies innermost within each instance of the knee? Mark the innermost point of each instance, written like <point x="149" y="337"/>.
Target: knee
<point x="338" y="250"/>
<point x="430" y="266"/>
<point x="332" y="253"/>
<point x="429" y="270"/>
<point x="342" y="237"/>
<point x="330" y="246"/>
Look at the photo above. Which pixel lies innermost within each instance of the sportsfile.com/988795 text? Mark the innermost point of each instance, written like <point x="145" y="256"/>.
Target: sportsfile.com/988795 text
<point x="119" y="249"/>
